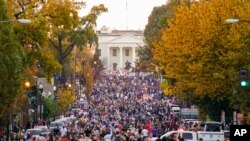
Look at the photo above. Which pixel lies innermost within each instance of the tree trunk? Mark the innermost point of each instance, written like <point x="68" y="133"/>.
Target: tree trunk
<point x="62" y="78"/>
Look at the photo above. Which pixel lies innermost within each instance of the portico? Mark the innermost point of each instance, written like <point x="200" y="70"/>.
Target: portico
<point x="117" y="50"/>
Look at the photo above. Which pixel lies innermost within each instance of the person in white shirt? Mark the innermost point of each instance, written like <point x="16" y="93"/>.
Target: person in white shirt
<point x="144" y="132"/>
<point x="63" y="131"/>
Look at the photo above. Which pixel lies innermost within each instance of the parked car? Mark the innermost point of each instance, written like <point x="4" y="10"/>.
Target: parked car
<point x="45" y="130"/>
<point x="56" y="124"/>
<point x="33" y="132"/>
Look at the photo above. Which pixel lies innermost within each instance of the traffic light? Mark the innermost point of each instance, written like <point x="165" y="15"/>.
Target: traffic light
<point x="244" y="82"/>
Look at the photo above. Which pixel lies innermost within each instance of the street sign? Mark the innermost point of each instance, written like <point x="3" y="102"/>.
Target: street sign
<point x="33" y="97"/>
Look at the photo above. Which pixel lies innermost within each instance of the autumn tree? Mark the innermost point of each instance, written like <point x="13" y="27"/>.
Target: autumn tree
<point x="34" y="37"/>
<point x="68" y="29"/>
<point x="203" y="53"/>
<point x="153" y="32"/>
<point x="55" y="29"/>
<point x="89" y="79"/>
<point x="97" y="65"/>
<point x="65" y="99"/>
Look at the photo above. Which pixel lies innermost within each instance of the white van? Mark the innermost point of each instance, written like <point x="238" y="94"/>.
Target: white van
<point x="176" y="110"/>
<point x="193" y="136"/>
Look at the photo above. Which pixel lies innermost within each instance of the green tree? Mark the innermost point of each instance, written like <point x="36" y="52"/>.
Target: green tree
<point x="50" y="108"/>
<point x="12" y="62"/>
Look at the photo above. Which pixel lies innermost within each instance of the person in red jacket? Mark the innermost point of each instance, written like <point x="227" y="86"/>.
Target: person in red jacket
<point x="148" y="126"/>
<point x="65" y="138"/>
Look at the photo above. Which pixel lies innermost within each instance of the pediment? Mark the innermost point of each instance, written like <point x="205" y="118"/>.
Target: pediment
<point x="126" y="39"/>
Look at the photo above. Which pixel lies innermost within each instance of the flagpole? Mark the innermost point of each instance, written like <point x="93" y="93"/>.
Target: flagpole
<point x="126" y="15"/>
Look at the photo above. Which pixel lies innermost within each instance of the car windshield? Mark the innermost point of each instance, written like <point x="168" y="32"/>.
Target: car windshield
<point x="59" y="124"/>
<point x="187" y="136"/>
<point x="213" y="127"/>
<point x="45" y="130"/>
<point x="34" y="132"/>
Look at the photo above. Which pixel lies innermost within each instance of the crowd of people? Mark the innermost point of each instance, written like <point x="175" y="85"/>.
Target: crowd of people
<point x="122" y="108"/>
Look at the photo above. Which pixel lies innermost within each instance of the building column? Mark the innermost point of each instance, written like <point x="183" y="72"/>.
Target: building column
<point x="133" y="57"/>
<point x="108" y="58"/>
<point x="121" y="55"/>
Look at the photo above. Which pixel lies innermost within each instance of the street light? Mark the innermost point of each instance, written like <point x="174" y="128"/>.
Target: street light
<point x="49" y="94"/>
<point x="40" y="100"/>
<point x="24" y="21"/>
<point x="54" y="88"/>
<point x="27" y="84"/>
<point x="44" y="94"/>
<point x="69" y="85"/>
<point x="235" y="20"/>
<point x="55" y="95"/>
<point x="243" y="72"/>
<point x="40" y="86"/>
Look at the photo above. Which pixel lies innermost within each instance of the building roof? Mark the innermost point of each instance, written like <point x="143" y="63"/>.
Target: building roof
<point x="105" y="31"/>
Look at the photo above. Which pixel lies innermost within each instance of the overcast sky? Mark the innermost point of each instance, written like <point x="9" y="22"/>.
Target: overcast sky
<point x="137" y="13"/>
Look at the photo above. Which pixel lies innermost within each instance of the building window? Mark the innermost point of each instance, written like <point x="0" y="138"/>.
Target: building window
<point x="114" y="66"/>
<point x="99" y="52"/>
<point x="127" y="52"/>
<point x="114" y="52"/>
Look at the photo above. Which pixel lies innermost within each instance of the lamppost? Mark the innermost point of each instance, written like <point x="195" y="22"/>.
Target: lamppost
<point x="54" y="90"/>
<point x="24" y="21"/>
<point x="235" y="20"/>
<point x="243" y="83"/>
<point x="39" y="101"/>
<point x="27" y="85"/>
<point x="69" y="85"/>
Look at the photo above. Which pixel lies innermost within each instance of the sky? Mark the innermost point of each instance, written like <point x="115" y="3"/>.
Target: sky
<point x="135" y="18"/>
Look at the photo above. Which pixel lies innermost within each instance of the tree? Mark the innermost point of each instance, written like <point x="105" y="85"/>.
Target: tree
<point x="203" y="53"/>
<point x="50" y="108"/>
<point x="97" y="65"/>
<point x="12" y="62"/>
<point x="157" y="22"/>
<point x="66" y="29"/>
<point x="79" y="57"/>
<point x="69" y="30"/>
<point x="89" y="78"/>
<point x="33" y="37"/>
<point x="65" y="99"/>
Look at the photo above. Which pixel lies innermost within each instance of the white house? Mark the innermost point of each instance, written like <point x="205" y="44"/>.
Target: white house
<point x="117" y="47"/>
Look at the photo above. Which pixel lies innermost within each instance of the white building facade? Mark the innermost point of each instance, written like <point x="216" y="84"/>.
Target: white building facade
<point x="118" y="47"/>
